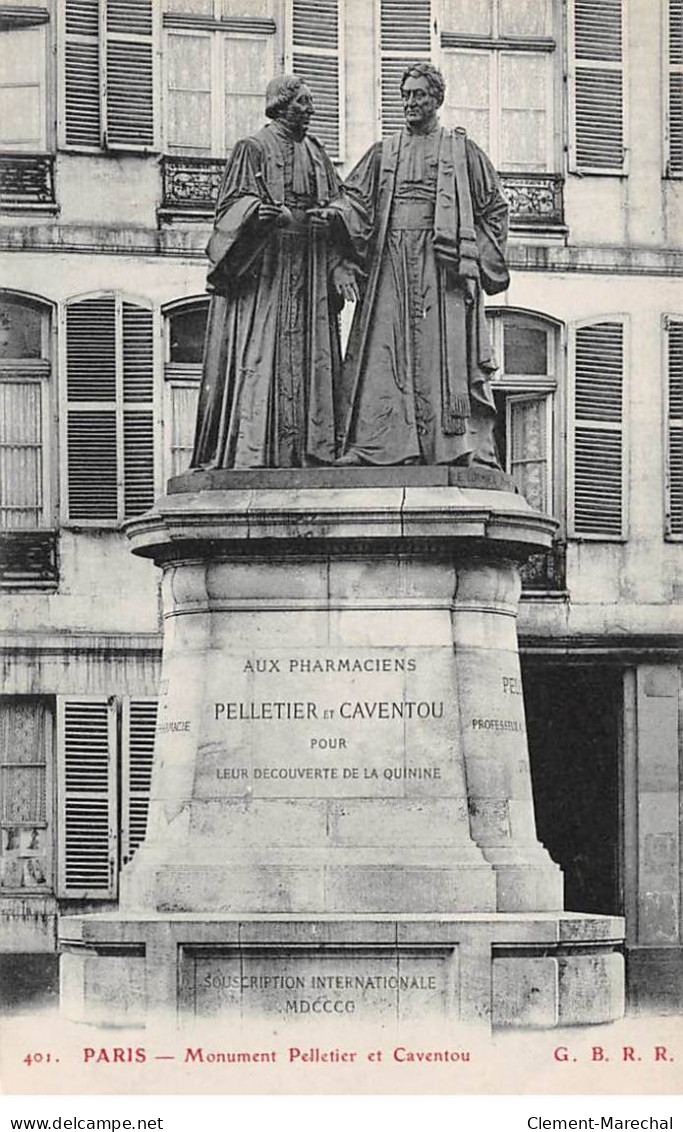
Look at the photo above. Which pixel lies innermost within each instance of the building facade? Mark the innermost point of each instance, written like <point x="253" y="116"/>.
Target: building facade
<point x="115" y="120"/>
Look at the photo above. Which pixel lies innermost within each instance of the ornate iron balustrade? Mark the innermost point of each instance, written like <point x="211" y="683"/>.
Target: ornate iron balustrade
<point x="28" y="559"/>
<point x="27" y="179"/>
<point x="546" y="572"/>
<point x="190" y="184"/>
<point x="536" y="199"/>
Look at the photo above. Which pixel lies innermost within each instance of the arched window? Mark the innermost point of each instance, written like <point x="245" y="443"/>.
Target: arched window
<point x="185" y="330"/>
<point x="25" y="411"/>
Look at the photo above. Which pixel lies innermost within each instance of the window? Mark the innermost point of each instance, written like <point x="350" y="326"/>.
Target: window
<point x="597" y="86"/>
<point x="25" y="498"/>
<point x="185" y="332"/>
<point x="108" y="440"/>
<point x="25" y="791"/>
<point x="597" y="464"/>
<point x="673" y="69"/>
<point x="524" y="389"/>
<point x="91" y="772"/>
<point x="108" y="50"/>
<point x="498" y="59"/>
<point x="23" y="79"/>
<point x="219" y="56"/>
<point x="674" y="432"/>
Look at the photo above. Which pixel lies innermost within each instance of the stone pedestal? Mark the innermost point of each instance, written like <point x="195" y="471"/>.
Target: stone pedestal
<point x="341" y="782"/>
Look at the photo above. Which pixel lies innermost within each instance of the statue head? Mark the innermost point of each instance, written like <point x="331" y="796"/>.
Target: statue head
<point x="289" y="100"/>
<point x="423" y="90"/>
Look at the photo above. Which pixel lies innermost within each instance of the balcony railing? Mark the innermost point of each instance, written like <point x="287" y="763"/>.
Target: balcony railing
<point x="190" y="186"/>
<point x="27" y="180"/>
<point x="28" y="559"/>
<point x="546" y="572"/>
<point x="535" y="199"/>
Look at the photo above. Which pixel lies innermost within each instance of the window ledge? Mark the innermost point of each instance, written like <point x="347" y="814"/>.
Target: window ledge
<point x="186" y="215"/>
<point x="29" y="209"/>
<point x="556" y="596"/>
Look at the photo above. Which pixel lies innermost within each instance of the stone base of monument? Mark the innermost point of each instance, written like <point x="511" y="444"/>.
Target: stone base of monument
<point x="476" y="970"/>
<point x="341" y="786"/>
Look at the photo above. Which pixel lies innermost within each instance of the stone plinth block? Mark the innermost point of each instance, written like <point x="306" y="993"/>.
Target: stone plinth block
<point x="485" y="970"/>
<point x="341" y="722"/>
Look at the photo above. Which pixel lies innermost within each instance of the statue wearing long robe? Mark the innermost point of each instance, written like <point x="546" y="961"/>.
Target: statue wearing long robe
<point x="416" y="373"/>
<point x="272" y="354"/>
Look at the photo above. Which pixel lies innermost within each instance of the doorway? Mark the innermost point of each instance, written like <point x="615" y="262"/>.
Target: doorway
<point x="573" y="720"/>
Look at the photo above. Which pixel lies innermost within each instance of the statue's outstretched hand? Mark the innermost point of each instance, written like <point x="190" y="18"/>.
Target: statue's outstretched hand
<point x="345" y="277"/>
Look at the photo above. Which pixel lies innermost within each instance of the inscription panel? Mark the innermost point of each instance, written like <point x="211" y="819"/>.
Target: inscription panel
<point x="381" y="723"/>
<point x="311" y="984"/>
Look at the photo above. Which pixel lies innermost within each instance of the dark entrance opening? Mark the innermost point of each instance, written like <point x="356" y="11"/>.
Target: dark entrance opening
<point x="573" y="721"/>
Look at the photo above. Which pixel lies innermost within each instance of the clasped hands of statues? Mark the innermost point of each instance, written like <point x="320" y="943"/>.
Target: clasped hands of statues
<point x="345" y="275"/>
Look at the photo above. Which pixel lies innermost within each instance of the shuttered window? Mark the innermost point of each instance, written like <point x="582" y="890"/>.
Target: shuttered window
<point x="674" y="471"/>
<point x="217" y="63"/>
<point x="499" y="61"/>
<point x="185" y="332"/>
<point x="597" y="468"/>
<point x="109" y="80"/>
<point x="109" y="435"/>
<point x="24" y="415"/>
<point x="139" y="717"/>
<point x="25" y="780"/>
<point x="405" y="37"/>
<point x="598" y="86"/>
<point x="674" y="77"/>
<point x="87" y="797"/>
<point x="317" y="57"/>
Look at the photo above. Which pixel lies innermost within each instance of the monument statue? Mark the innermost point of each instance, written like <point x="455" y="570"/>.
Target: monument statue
<point x="341" y="824"/>
<point x="425" y="215"/>
<point x="272" y="354"/>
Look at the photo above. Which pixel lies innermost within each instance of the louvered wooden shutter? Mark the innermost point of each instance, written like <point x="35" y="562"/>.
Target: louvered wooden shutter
<point x="597" y="458"/>
<point x="110" y="419"/>
<point x="109" y="74"/>
<point x="87" y="797"/>
<point x="317" y="59"/>
<point x="82" y="111"/>
<point x="138" y="415"/>
<point x="674" y="480"/>
<point x="129" y="91"/>
<point x="405" y="38"/>
<point x="91" y="389"/>
<point x="138" y="729"/>
<point x="598" y="85"/>
<point x="675" y="107"/>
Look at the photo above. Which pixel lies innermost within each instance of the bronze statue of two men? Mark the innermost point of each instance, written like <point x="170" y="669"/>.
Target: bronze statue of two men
<point x="415" y="237"/>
